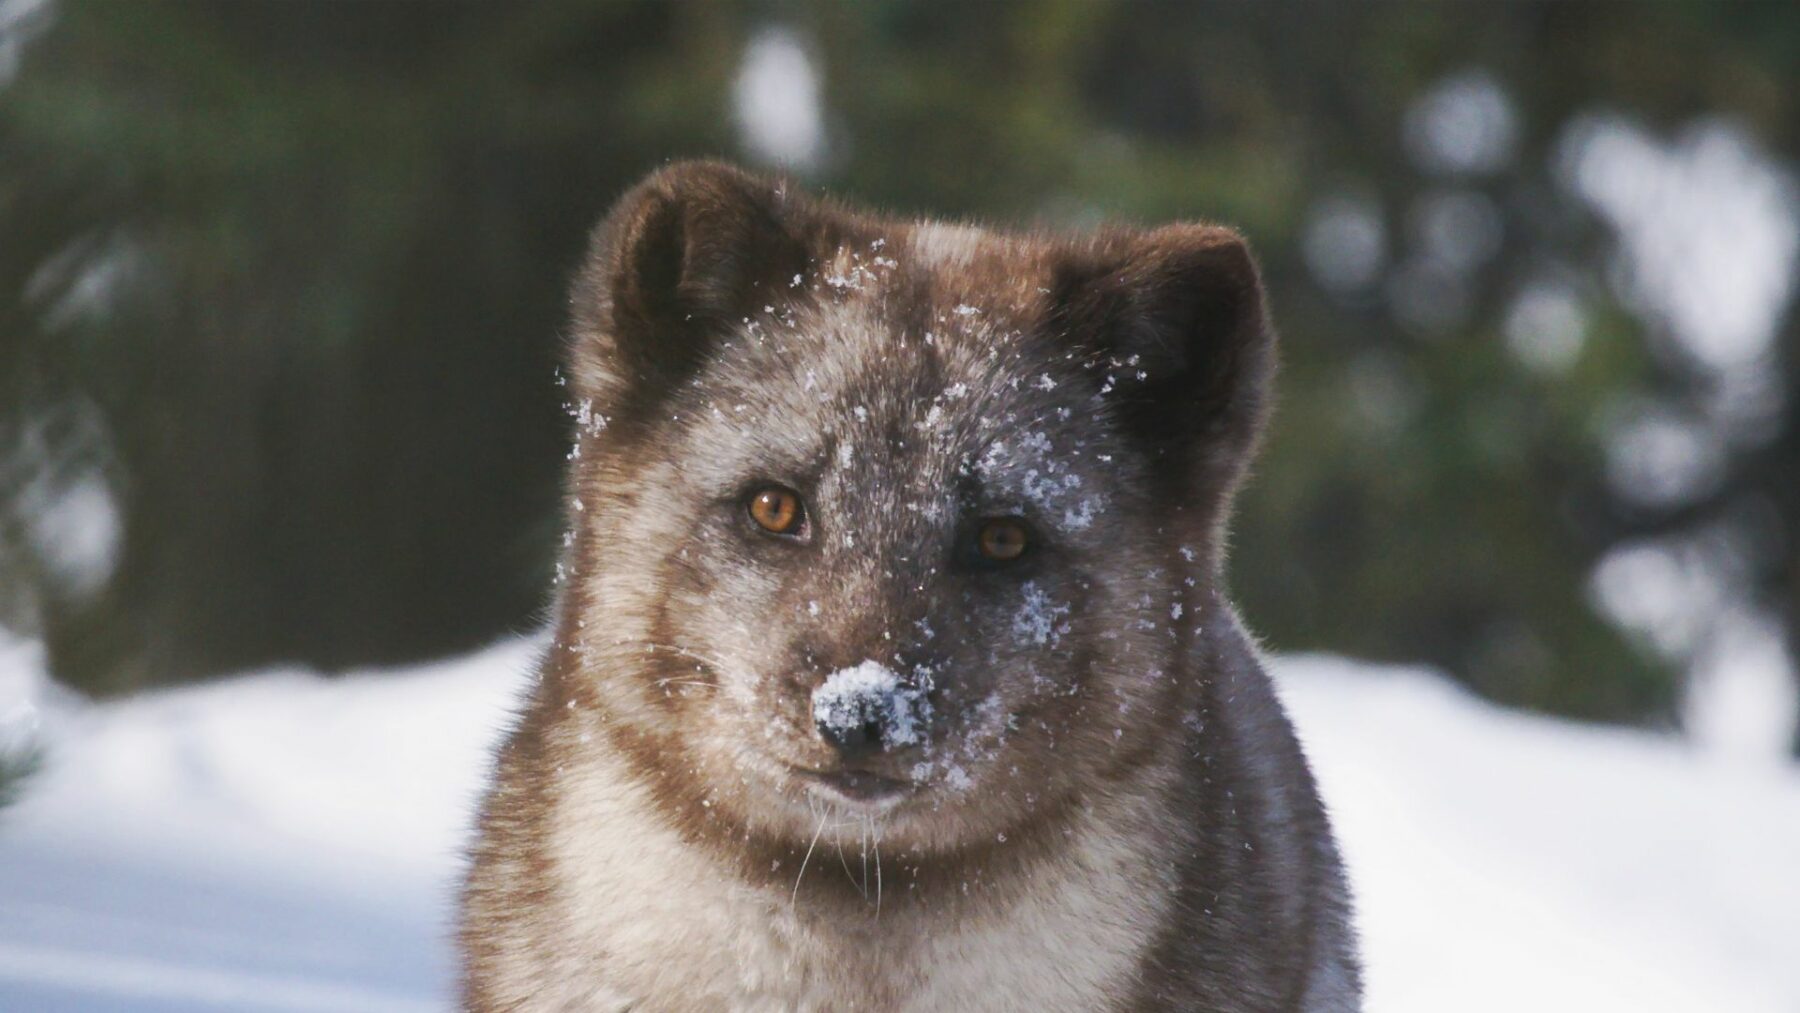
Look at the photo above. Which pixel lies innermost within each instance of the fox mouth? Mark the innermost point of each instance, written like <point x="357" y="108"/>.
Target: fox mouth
<point x="858" y="785"/>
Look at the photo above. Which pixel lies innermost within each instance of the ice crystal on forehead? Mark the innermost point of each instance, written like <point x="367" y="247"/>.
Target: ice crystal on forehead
<point x="1036" y="622"/>
<point x="1042" y="487"/>
<point x="587" y="418"/>
<point x="871" y="692"/>
<point x="1031" y="470"/>
<point x="1081" y="516"/>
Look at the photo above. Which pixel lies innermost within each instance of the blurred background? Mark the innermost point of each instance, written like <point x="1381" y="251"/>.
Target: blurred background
<point x="282" y="296"/>
<point x="282" y="284"/>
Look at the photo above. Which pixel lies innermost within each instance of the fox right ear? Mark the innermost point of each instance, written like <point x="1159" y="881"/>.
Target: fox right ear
<point x="679" y="257"/>
<point x="1175" y="323"/>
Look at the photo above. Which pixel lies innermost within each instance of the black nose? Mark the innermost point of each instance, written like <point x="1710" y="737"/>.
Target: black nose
<point x="852" y="739"/>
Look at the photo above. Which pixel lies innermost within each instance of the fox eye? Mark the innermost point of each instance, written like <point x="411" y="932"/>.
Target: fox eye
<point x="776" y="509"/>
<point x="1002" y="539"/>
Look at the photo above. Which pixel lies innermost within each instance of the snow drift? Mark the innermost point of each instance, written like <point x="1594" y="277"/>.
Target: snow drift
<point x="282" y="841"/>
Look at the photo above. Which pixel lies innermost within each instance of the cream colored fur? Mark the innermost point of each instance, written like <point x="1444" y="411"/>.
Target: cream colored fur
<point x="652" y="916"/>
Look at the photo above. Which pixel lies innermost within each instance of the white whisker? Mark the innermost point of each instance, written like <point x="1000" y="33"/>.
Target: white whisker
<point x="875" y="832"/>
<point x="685" y="682"/>
<point x="837" y="836"/>
<point x="809" y="851"/>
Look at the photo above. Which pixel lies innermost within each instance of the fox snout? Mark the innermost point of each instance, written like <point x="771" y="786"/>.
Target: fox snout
<point x="869" y="708"/>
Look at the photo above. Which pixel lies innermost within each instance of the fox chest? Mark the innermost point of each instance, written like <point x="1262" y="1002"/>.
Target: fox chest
<point x="768" y="959"/>
<point x="666" y="929"/>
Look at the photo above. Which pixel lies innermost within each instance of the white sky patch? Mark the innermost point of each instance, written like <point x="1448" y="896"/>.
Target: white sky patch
<point x="1708" y="229"/>
<point x="63" y="502"/>
<point x="777" y="102"/>
<point x="1656" y="457"/>
<point x="1668" y="593"/>
<point x="1546" y="327"/>
<point x="1345" y="243"/>
<point x="76" y="529"/>
<point x="1683" y="597"/>
<point x="1464" y="124"/>
<point x="1742" y="703"/>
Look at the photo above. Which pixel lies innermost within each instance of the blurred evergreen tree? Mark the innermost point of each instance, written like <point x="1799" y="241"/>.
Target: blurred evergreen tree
<point x="342" y="237"/>
<point x="342" y="233"/>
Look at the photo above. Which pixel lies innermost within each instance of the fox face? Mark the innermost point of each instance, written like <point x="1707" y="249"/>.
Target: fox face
<point x="899" y="522"/>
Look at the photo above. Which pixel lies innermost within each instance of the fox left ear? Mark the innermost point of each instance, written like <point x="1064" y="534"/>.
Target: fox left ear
<point x="1175" y="324"/>
<point x="692" y="248"/>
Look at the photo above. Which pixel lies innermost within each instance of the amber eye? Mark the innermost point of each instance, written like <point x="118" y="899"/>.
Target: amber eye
<point x="776" y="510"/>
<point x="1002" y="540"/>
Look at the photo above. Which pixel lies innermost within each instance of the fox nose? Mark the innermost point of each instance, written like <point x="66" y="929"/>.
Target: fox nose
<point x="852" y="739"/>
<point x="867" y="708"/>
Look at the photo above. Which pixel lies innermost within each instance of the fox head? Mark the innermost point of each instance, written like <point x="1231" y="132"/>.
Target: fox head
<point x="911" y="522"/>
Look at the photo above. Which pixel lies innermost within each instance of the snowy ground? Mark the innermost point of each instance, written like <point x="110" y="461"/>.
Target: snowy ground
<point x="284" y="842"/>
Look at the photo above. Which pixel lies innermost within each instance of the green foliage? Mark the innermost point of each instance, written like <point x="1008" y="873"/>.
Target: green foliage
<point x="348" y="227"/>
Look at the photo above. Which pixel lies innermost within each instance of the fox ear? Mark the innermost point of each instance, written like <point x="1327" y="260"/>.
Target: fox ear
<point x="680" y="256"/>
<point x="1175" y="324"/>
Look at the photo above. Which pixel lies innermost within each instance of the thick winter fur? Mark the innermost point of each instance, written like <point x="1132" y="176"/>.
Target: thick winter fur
<point x="1106" y="808"/>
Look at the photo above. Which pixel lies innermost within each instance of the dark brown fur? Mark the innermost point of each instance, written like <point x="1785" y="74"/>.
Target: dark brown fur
<point x="1142" y="728"/>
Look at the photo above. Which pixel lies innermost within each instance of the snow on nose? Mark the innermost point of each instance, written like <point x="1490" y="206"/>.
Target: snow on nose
<point x="867" y="706"/>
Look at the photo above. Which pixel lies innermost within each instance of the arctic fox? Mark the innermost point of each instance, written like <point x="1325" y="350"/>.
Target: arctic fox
<point x="893" y="668"/>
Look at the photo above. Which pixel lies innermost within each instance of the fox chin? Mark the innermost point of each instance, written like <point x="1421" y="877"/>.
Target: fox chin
<point x="893" y="668"/>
